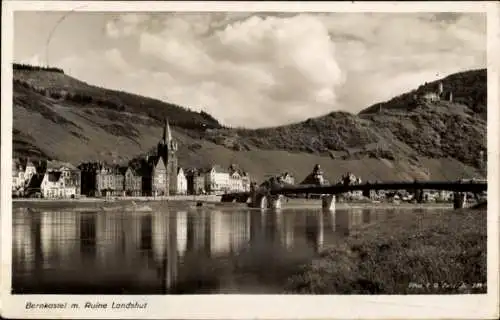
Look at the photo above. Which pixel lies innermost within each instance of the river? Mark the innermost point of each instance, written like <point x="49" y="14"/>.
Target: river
<point x="174" y="250"/>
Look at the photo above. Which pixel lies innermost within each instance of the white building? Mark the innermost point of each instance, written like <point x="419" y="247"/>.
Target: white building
<point x="245" y="180"/>
<point x="181" y="182"/>
<point x="217" y="180"/>
<point x="22" y="172"/>
<point x="239" y="180"/>
<point x="288" y="178"/>
<point x="54" y="186"/>
<point x="235" y="181"/>
<point x="431" y="96"/>
<point x="61" y="180"/>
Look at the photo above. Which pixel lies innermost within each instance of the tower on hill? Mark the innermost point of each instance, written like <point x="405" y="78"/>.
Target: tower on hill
<point x="167" y="150"/>
<point x="440" y="90"/>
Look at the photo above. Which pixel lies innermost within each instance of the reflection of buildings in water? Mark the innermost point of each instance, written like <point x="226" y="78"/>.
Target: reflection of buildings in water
<point x="279" y="232"/>
<point x="390" y="213"/>
<point x="59" y="234"/>
<point x="220" y="226"/>
<point x="160" y="233"/>
<point x="321" y="232"/>
<point x="248" y="223"/>
<point x="239" y="235"/>
<point x="330" y="215"/>
<point x="182" y="225"/>
<point x="36" y="227"/>
<point x="111" y="237"/>
<point x="268" y="224"/>
<point x="146" y="244"/>
<point x="46" y="238"/>
<point x="171" y="256"/>
<point x="43" y="240"/>
<point x="288" y="229"/>
<point x="256" y="225"/>
<point x="23" y="253"/>
<point x="356" y="217"/>
<point x="314" y="230"/>
<point x="196" y="230"/>
<point x="266" y="227"/>
<point x="88" y="236"/>
<point x="377" y="214"/>
<point x="229" y="231"/>
<point x="343" y="222"/>
<point x="366" y="215"/>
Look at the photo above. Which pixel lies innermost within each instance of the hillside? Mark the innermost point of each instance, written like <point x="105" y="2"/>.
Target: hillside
<point x="57" y="116"/>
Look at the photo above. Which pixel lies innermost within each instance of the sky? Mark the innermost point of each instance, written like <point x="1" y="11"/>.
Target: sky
<point x="255" y="69"/>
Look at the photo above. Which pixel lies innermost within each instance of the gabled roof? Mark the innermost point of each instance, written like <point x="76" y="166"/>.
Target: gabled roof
<point x="312" y="179"/>
<point x="155" y="160"/>
<point x="236" y="172"/>
<point x="53" y="176"/>
<point x="131" y="169"/>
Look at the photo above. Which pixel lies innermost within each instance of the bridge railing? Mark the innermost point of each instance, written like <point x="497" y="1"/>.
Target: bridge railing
<point x="470" y="186"/>
<point x="456" y="186"/>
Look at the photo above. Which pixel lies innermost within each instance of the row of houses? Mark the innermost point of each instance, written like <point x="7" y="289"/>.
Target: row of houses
<point x="48" y="179"/>
<point x="55" y="179"/>
<point x="217" y="179"/>
<point x="157" y="173"/>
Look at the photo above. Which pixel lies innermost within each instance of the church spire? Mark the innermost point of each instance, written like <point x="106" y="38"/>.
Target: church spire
<point x="167" y="135"/>
<point x="164" y="137"/>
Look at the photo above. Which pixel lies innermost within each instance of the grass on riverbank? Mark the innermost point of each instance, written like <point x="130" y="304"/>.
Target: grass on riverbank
<point x="402" y="256"/>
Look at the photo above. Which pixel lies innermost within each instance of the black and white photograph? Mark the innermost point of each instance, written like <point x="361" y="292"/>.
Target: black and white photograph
<point x="247" y="152"/>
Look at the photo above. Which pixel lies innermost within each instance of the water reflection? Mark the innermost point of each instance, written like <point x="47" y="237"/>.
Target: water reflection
<point x="171" y="251"/>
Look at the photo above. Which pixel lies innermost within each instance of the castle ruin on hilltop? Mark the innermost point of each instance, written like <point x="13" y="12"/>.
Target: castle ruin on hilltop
<point x="438" y="95"/>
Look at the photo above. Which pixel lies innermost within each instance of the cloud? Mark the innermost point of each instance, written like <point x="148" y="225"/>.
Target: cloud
<point x="258" y="70"/>
<point x="124" y="25"/>
<point x="259" y="64"/>
<point x="115" y="58"/>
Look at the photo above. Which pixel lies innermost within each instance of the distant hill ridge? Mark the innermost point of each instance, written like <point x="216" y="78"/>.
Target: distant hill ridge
<point x="57" y="116"/>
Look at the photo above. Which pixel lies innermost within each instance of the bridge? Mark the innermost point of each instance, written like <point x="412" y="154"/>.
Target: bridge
<point x="271" y="197"/>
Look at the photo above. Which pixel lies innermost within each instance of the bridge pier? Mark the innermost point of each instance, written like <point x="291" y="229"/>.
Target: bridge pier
<point x="261" y="202"/>
<point x="419" y="196"/>
<point x="459" y="200"/>
<point x="328" y="202"/>
<point x="265" y="202"/>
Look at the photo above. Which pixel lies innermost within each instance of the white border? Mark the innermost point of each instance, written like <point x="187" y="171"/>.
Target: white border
<point x="261" y="306"/>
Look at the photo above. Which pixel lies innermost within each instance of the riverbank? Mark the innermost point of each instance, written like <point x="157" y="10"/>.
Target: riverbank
<point x="445" y="249"/>
<point x="207" y="200"/>
<point x="107" y="202"/>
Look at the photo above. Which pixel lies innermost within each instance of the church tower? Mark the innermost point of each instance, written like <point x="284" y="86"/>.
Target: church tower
<point x="167" y="150"/>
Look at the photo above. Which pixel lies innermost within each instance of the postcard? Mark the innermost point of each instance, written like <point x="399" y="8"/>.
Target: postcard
<point x="249" y="160"/>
